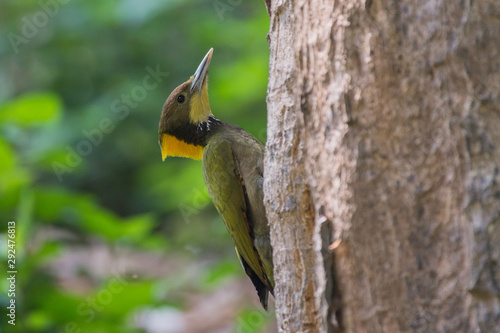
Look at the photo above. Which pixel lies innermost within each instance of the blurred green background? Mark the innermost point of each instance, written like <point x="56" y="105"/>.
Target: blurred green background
<point x="108" y="237"/>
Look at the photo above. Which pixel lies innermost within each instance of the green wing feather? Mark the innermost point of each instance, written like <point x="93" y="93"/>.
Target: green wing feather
<point x="227" y="190"/>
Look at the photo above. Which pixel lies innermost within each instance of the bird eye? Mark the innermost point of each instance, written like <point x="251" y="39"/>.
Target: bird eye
<point x="181" y="98"/>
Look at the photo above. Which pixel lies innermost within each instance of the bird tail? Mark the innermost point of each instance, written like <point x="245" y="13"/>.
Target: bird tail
<point x="262" y="289"/>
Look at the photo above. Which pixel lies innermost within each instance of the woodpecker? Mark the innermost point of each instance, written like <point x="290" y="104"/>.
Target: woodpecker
<point x="232" y="164"/>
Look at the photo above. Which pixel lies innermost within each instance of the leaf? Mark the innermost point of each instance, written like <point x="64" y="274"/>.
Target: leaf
<point x="12" y="177"/>
<point x="31" y="109"/>
<point x="6" y="156"/>
<point x="125" y="295"/>
<point x="253" y="321"/>
<point x="81" y="211"/>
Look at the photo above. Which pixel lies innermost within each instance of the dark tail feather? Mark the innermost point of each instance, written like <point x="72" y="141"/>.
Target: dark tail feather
<point x="262" y="289"/>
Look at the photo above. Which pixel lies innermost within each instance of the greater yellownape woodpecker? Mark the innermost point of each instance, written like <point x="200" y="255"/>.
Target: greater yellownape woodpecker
<point x="232" y="163"/>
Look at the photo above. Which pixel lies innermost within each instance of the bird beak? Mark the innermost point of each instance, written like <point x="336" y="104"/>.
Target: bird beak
<point x="200" y="76"/>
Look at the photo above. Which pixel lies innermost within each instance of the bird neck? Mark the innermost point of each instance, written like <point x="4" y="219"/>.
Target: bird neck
<point x="189" y="140"/>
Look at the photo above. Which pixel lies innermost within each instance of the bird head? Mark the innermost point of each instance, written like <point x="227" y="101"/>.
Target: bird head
<point x="184" y="110"/>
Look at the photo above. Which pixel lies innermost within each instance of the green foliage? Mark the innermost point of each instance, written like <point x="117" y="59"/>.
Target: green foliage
<point x="31" y="109"/>
<point x="254" y="321"/>
<point x="80" y="165"/>
<point x="81" y="212"/>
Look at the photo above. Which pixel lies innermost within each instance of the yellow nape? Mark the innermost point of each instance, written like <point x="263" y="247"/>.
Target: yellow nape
<point x="171" y="146"/>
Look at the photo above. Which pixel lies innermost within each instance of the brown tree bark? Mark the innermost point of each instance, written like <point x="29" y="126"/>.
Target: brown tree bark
<point x="382" y="182"/>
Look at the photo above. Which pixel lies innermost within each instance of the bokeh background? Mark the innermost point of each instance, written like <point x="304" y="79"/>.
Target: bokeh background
<point x="108" y="237"/>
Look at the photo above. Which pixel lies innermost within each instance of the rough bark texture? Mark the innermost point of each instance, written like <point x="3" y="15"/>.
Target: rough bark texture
<point x="384" y="144"/>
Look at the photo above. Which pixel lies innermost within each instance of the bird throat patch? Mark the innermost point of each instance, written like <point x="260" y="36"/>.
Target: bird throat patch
<point x="171" y="146"/>
<point x="200" y="106"/>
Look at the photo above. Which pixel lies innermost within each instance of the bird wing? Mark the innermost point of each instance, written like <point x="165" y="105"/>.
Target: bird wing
<point x="226" y="187"/>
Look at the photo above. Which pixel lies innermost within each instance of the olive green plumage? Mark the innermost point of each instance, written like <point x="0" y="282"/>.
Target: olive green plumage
<point x="233" y="172"/>
<point x="232" y="163"/>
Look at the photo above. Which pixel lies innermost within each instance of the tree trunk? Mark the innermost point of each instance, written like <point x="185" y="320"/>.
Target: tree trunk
<point x="382" y="182"/>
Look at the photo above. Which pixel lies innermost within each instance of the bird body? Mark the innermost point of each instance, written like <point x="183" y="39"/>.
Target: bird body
<point x="232" y="163"/>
